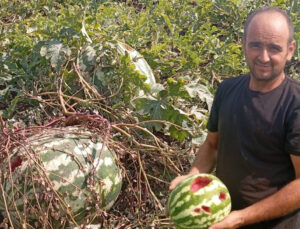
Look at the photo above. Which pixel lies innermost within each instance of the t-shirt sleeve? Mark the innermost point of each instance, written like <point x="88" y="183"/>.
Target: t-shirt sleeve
<point x="213" y="119"/>
<point x="292" y="145"/>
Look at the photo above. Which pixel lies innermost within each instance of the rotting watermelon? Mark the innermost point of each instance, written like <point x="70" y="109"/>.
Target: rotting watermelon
<point x="198" y="202"/>
<point x="65" y="158"/>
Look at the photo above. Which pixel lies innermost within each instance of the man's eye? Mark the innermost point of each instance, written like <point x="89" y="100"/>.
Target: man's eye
<point x="255" y="45"/>
<point x="275" y="49"/>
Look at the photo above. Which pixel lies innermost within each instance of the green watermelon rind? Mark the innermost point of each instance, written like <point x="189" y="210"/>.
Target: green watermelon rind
<point x="49" y="150"/>
<point x="182" y="202"/>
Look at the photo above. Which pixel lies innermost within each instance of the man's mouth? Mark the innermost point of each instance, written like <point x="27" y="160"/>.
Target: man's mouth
<point x="263" y="65"/>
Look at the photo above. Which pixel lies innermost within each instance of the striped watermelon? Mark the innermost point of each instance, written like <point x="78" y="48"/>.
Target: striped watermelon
<point x="199" y="201"/>
<point x="69" y="157"/>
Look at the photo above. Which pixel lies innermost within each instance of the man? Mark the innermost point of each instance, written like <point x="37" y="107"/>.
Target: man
<point x="254" y="131"/>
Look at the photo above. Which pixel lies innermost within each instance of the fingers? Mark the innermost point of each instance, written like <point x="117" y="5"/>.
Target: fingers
<point x="232" y="221"/>
<point x="176" y="181"/>
<point x="213" y="227"/>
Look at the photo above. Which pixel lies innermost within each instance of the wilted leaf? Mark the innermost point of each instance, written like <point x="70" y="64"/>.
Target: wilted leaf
<point x="87" y="60"/>
<point x="57" y="52"/>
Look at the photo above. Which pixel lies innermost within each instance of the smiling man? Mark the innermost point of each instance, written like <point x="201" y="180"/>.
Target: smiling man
<point x="268" y="44"/>
<point x="254" y="131"/>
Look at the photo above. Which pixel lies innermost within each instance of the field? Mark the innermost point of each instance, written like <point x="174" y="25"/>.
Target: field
<point x="61" y="64"/>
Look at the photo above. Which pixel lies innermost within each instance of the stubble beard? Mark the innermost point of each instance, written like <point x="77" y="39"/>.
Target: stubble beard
<point x="265" y="78"/>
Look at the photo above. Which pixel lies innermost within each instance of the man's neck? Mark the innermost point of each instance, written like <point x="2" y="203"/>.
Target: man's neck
<point x="265" y="86"/>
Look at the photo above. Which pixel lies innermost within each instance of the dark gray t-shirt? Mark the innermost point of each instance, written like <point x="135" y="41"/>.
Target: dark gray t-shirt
<point x="257" y="133"/>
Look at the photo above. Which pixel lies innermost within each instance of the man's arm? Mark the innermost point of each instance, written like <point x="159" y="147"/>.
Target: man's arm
<point x="279" y="204"/>
<point x="205" y="159"/>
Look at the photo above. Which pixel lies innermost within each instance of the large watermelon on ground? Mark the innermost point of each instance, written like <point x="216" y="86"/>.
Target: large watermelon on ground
<point x="64" y="160"/>
<point x="198" y="202"/>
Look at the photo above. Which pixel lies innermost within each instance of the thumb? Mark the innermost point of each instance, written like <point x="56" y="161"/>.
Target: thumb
<point x="172" y="185"/>
<point x="175" y="182"/>
<point x="215" y="226"/>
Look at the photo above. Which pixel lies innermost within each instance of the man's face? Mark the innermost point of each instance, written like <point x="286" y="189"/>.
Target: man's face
<point x="266" y="46"/>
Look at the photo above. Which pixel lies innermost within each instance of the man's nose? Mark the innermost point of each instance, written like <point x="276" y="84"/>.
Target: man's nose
<point x="264" y="55"/>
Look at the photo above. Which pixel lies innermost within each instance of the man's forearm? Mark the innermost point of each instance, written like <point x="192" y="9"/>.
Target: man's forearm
<point x="205" y="159"/>
<point x="279" y="204"/>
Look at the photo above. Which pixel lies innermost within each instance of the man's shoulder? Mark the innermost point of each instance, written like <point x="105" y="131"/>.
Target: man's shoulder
<point x="293" y="83"/>
<point x="293" y="92"/>
<point x="234" y="82"/>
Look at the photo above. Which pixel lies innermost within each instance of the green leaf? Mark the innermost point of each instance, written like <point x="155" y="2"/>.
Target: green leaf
<point x="178" y="134"/>
<point x="168" y="22"/>
<point x="176" y="87"/>
<point x="200" y="91"/>
<point x="4" y="91"/>
<point x="159" y="110"/>
<point x="151" y="106"/>
<point x="11" y="109"/>
<point x="57" y="52"/>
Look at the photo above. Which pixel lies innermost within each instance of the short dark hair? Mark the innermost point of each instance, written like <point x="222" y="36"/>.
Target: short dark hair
<point x="271" y="9"/>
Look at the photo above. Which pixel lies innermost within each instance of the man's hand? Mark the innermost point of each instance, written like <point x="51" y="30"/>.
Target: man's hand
<point x="232" y="221"/>
<point x="286" y="200"/>
<point x="176" y="181"/>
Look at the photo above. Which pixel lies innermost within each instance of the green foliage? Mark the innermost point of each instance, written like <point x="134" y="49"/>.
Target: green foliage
<point x="190" y="45"/>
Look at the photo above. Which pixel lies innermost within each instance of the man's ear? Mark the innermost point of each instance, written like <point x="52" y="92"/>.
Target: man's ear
<point x="291" y="49"/>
